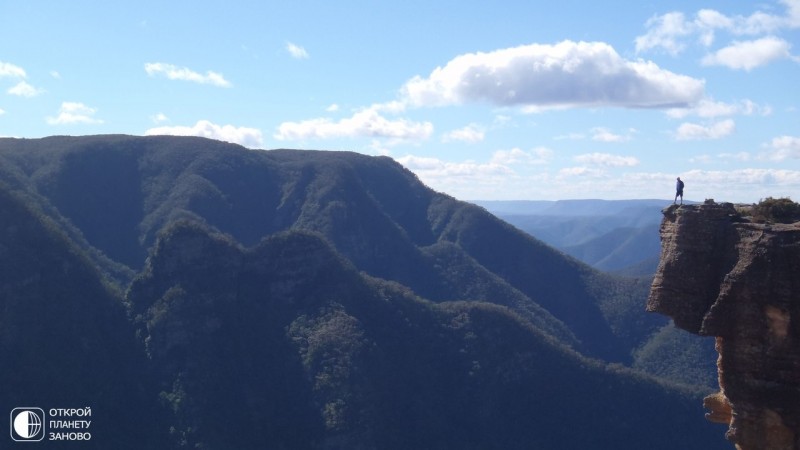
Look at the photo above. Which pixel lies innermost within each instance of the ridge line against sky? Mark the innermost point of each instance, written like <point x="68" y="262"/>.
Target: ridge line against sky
<point x="508" y="100"/>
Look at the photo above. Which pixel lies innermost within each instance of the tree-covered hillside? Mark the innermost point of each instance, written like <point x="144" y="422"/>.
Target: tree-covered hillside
<point x="306" y="299"/>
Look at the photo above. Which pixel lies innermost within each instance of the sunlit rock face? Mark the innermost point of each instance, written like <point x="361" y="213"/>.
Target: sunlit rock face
<point x="722" y="275"/>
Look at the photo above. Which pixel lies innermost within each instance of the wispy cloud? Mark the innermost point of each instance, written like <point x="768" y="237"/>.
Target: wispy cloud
<point x="782" y="148"/>
<point x="248" y="137"/>
<point x="434" y="171"/>
<point x="23" y="89"/>
<point x="602" y="134"/>
<point x="606" y="160"/>
<point x="365" y="123"/>
<point x="159" y="118"/>
<point x="762" y="182"/>
<point x="516" y="156"/>
<point x="673" y="32"/>
<point x="665" y="32"/>
<point x="692" y="131"/>
<point x="74" y="113"/>
<point x="582" y="172"/>
<point x="565" y="75"/>
<point x="748" y="55"/>
<point x="709" y="109"/>
<point x="470" y="134"/>
<point x="173" y="72"/>
<point x="11" y="71"/>
<point x="599" y="134"/>
<point x="296" y="51"/>
<point x="594" y="178"/>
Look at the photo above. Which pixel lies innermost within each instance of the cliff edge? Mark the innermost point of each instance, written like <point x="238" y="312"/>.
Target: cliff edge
<point x="723" y="275"/>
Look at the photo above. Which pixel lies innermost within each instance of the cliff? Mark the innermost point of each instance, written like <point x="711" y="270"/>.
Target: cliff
<point x="722" y="275"/>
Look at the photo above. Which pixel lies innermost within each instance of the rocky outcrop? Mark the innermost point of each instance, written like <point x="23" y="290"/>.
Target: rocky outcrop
<point x="722" y="275"/>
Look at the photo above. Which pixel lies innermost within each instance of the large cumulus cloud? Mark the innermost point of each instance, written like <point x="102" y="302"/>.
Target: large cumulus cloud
<point x="562" y="75"/>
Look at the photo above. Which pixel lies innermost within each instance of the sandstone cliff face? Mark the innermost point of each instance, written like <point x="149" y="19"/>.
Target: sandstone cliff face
<point x="721" y="275"/>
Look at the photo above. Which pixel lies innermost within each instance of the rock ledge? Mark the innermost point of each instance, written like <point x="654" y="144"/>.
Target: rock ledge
<point x="722" y="275"/>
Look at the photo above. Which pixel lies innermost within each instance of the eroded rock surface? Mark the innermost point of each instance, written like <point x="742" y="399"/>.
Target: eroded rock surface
<point x="722" y="275"/>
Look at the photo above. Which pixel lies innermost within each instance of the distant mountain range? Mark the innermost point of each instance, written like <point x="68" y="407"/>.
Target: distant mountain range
<point x="196" y="294"/>
<point x="619" y="236"/>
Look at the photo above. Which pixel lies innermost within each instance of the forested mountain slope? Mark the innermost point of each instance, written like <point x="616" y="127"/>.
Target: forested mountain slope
<point x="119" y="191"/>
<point x="314" y="300"/>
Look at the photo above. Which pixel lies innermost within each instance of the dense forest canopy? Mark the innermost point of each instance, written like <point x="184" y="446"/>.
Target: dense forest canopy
<point x="311" y="299"/>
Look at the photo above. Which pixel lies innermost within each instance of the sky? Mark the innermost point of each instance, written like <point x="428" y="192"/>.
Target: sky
<point x="501" y="100"/>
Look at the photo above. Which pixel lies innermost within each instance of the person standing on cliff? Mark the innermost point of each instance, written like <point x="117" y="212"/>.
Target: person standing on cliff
<point x="678" y="191"/>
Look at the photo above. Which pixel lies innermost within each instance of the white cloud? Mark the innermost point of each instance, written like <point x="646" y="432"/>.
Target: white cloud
<point x="332" y="108"/>
<point x="296" y="51"/>
<point x="517" y="156"/>
<point x="599" y="134"/>
<point x="692" y="131"/>
<point x="763" y="179"/>
<point x="784" y="147"/>
<point x="159" y="118"/>
<point x="708" y="108"/>
<point x="11" y="71"/>
<point x="567" y="74"/>
<point x="707" y="21"/>
<point x="740" y="185"/>
<point x="473" y="179"/>
<point x="793" y="13"/>
<point x="747" y="55"/>
<point x="701" y="159"/>
<point x="248" y="137"/>
<point x="669" y="31"/>
<point x="721" y="157"/>
<point x="394" y="107"/>
<point x="365" y="123"/>
<point x="379" y="147"/>
<point x="501" y="178"/>
<point x="447" y="168"/>
<point x="2" y="111"/>
<point x="664" y="32"/>
<point x="471" y="134"/>
<point x="583" y="172"/>
<point x="606" y="160"/>
<point x="501" y="120"/>
<point x="24" y="89"/>
<point x="74" y="113"/>
<point x="602" y="134"/>
<point x="173" y="72"/>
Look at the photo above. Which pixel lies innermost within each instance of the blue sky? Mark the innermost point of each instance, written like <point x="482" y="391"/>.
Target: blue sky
<point x="482" y="100"/>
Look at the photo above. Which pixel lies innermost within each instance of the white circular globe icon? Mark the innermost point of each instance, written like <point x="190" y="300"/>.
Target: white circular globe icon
<point x="27" y="424"/>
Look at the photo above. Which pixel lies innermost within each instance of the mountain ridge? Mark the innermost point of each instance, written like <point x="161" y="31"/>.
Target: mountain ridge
<point x="337" y="288"/>
<point x="347" y="197"/>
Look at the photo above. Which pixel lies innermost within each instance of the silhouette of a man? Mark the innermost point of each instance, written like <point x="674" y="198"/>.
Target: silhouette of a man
<point x="678" y="191"/>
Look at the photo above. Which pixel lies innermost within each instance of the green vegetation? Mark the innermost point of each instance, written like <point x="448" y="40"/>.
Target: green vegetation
<point x="776" y="210"/>
<point x="677" y="355"/>
<point x="310" y="300"/>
